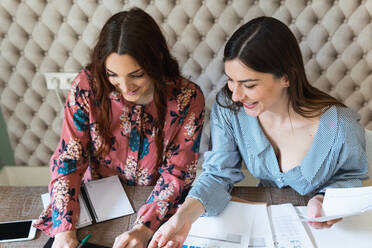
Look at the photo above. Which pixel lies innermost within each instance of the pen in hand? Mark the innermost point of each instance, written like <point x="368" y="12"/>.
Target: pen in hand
<point x="84" y="241"/>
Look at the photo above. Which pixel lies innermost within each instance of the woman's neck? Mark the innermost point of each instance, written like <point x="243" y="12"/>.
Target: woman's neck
<point x="280" y="113"/>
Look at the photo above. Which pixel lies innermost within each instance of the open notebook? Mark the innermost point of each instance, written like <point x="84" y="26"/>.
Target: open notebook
<point x="106" y="200"/>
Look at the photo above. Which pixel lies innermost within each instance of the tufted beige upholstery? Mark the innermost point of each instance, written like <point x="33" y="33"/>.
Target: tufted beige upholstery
<point x="38" y="36"/>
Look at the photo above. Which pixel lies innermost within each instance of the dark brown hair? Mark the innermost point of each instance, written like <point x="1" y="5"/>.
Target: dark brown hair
<point x="267" y="45"/>
<point x="135" y="33"/>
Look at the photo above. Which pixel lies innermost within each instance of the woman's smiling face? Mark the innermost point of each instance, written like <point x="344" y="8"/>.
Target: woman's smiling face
<point x="257" y="91"/>
<point x="129" y="78"/>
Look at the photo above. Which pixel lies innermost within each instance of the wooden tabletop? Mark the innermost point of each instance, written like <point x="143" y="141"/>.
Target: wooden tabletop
<point x="20" y="203"/>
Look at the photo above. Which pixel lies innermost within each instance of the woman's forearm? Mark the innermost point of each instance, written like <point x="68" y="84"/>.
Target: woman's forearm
<point x="191" y="209"/>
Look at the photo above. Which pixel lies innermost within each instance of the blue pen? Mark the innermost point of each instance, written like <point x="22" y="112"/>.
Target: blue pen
<point x="84" y="241"/>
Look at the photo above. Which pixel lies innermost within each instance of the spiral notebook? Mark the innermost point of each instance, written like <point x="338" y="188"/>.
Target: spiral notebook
<point x="100" y="200"/>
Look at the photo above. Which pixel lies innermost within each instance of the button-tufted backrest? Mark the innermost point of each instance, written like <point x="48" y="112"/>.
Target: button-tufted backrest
<point x="369" y="157"/>
<point x="38" y="36"/>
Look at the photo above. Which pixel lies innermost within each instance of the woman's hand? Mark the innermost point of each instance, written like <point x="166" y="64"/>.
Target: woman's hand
<point x="314" y="209"/>
<point x="65" y="240"/>
<point x="138" y="237"/>
<point x="174" y="232"/>
<point x="171" y="234"/>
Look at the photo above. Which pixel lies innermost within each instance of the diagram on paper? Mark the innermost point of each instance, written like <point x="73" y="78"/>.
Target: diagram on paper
<point x="228" y="241"/>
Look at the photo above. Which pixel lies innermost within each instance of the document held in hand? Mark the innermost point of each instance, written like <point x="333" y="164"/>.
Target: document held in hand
<point x="106" y="199"/>
<point x="343" y="202"/>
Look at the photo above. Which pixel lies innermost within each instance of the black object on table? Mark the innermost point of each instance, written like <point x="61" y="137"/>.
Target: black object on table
<point x="86" y="245"/>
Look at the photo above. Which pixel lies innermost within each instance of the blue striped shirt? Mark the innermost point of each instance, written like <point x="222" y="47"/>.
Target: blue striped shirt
<point x="337" y="157"/>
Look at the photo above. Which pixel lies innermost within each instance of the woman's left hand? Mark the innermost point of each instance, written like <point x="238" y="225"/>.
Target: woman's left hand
<point x="138" y="237"/>
<point x="314" y="209"/>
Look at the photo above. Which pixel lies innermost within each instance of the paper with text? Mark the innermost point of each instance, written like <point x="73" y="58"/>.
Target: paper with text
<point x="287" y="227"/>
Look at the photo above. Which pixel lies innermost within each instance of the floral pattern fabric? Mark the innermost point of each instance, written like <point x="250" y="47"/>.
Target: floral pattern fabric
<point x="133" y="154"/>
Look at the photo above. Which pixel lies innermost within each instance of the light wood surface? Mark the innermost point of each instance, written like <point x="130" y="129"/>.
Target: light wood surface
<point x="18" y="203"/>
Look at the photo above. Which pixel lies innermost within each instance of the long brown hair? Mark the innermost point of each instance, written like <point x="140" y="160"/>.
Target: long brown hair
<point x="135" y="33"/>
<point x="267" y="45"/>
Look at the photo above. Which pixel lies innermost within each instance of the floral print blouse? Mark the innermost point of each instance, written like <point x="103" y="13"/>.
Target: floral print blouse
<point x="132" y="155"/>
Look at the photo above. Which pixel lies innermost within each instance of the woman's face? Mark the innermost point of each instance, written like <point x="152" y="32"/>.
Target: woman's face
<point x="258" y="92"/>
<point x="129" y="78"/>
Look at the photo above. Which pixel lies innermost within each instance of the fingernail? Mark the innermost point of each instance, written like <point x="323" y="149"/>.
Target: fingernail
<point x="160" y="243"/>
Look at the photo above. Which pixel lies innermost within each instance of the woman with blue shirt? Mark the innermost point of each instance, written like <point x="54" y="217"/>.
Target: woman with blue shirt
<point x="288" y="133"/>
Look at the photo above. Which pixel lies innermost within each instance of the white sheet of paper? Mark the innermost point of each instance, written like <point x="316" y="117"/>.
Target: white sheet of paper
<point x="352" y="231"/>
<point x="287" y="227"/>
<point x="325" y="218"/>
<point x="261" y="234"/>
<point x="108" y="198"/>
<point x="229" y="229"/>
<point x="343" y="202"/>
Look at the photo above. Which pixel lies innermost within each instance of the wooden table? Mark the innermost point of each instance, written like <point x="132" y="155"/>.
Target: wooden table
<point x="18" y="203"/>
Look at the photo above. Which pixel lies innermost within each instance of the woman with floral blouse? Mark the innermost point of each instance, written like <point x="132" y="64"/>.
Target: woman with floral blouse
<point x="128" y="113"/>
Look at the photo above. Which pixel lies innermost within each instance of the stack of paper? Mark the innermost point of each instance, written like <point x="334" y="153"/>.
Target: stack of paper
<point x="342" y="202"/>
<point x="250" y="225"/>
<point x="233" y="228"/>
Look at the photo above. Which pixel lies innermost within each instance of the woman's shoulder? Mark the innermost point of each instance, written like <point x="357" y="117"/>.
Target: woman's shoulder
<point x="184" y="90"/>
<point x="184" y="84"/>
<point x="341" y="116"/>
<point x="346" y="117"/>
<point x="348" y="123"/>
<point x="346" y="114"/>
<point x="82" y="80"/>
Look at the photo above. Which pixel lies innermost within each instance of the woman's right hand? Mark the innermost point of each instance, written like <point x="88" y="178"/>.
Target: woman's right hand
<point x="173" y="233"/>
<point x="65" y="240"/>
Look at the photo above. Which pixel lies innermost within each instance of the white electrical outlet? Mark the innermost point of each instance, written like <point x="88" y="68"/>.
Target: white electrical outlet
<point x="59" y="80"/>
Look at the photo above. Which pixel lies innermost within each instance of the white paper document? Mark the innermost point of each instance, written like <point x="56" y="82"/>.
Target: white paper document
<point x="342" y="202"/>
<point x="353" y="231"/>
<point x="231" y="229"/>
<point x="108" y="198"/>
<point x="261" y="234"/>
<point x="287" y="227"/>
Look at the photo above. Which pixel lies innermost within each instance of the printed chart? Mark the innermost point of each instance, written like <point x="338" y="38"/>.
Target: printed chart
<point x="228" y="241"/>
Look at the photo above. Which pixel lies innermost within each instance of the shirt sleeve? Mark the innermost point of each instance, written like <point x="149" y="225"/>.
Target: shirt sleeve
<point x="351" y="165"/>
<point x="222" y="165"/>
<point x="69" y="161"/>
<point x="179" y="168"/>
